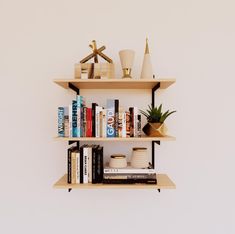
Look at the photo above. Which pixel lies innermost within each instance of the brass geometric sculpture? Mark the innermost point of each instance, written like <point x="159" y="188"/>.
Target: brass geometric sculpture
<point x="95" y="53"/>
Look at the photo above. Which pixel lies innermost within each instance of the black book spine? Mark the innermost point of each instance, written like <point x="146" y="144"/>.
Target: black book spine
<point x="130" y="181"/>
<point x="100" y="167"/>
<point x="131" y="109"/>
<point x="93" y="107"/>
<point x="116" y="111"/>
<point x="69" y="178"/>
<point x="94" y="164"/>
<point x="81" y="165"/>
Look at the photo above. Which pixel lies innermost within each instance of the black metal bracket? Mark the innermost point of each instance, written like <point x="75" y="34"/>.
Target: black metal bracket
<point x="159" y="190"/>
<point x="69" y="190"/>
<point x="153" y="152"/>
<point x="74" y="88"/>
<point x="156" y="87"/>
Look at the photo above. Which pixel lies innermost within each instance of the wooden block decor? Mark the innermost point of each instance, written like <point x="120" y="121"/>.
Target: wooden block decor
<point x="94" y="71"/>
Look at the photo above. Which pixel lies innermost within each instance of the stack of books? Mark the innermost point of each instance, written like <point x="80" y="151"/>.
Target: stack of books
<point x="79" y="120"/>
<point x="129" y="175"/>
<point x="85" y="165"/>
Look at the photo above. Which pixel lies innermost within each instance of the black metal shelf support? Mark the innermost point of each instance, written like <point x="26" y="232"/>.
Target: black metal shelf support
<point x="74" y="88"/>
<point x="154" y="89"/>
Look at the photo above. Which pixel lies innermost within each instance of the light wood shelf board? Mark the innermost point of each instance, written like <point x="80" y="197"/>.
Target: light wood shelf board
<point x="115" y="83"/>
<point x="163" y="182"/>
<point x="117" y="139"/>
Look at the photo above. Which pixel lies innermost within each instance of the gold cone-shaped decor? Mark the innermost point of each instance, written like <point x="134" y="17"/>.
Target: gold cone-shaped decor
<point x="147" y="70"/>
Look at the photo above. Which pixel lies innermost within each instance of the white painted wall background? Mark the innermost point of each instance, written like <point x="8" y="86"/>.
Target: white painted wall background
<point x="190" y="40"/>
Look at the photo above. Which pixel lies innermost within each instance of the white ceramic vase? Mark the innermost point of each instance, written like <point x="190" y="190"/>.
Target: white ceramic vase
<point x="139" y="158"/>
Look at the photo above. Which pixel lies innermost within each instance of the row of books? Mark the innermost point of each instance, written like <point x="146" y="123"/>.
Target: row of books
<point x="129" y="175"/>
<point x="85" y="165"/>
<point x="78" y="120"/>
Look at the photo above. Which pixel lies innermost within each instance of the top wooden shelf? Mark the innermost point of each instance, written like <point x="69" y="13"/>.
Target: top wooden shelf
<point x="115" y="83"/>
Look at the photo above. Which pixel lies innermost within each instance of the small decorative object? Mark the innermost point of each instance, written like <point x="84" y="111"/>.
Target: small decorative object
<point x="139" y="158"/>
<point x="127" y="58"/>
<point x="147" y="70"/>
<point x="95" y="70"/>
<point x="118" y="161"/>
<point x="155" y="117"/>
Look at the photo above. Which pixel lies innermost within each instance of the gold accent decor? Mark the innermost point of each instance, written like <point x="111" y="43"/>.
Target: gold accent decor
<point x="155" y="129"/>
<point x="95" y="70"/>
<point x="126" y="73"/>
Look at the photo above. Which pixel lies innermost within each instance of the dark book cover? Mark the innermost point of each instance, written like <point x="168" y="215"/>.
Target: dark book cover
<point x="131" y="109"/>
<point x="129" y="181"/>
<point x="100" y="166"/>
<point x="139" y="126"/>
<point x="81" y="163"/>
<point x="116" y="112"/>
<point x="69" y="164"/>
<point x="93" y="113"/>
<point x="94" y="163"/>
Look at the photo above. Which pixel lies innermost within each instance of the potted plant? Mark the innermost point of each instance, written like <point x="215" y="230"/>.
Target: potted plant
<point x="155" y="117"/>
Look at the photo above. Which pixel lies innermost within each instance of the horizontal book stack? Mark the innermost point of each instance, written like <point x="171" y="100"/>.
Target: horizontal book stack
<point x="85" y="165"/>
<point x="129" y="175"/>
<point x="79" y="120"/>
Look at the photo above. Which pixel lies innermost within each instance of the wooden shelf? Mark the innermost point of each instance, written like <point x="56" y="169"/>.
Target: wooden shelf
<point x="117" y="139"/>
<point x="115" y="83"/>
<point x="164" y="182"/>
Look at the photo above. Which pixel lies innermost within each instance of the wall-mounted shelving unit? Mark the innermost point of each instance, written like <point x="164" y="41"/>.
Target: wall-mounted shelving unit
<point x="163" y="181"/>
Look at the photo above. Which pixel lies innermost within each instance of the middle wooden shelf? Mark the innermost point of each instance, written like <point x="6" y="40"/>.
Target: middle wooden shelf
<point x="118" y="139"/>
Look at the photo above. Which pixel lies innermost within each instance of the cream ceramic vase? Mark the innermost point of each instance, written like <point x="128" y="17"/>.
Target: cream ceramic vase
<point x="127" y="59"/>
<point x="139" y="158"/>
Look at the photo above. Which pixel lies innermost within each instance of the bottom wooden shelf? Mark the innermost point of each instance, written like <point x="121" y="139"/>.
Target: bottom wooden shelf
<point x="163" y="182"/>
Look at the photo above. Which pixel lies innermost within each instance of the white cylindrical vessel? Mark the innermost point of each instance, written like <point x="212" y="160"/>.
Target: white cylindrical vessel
<point x="118" y="161"/>
<point x="139" y="158"/>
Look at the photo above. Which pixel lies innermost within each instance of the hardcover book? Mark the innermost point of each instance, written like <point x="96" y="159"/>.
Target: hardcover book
<point x="79" y="106"/>
<point x="66" y="121"/>
<point x="74" y="118"/>
<point x="93" y="107"/>
<point x="61" y="131"/>
<point x="70" y="120"/>
<point x="110" y="118"/>
<point x="128" y="124"/>
<point x="116" y="110"/>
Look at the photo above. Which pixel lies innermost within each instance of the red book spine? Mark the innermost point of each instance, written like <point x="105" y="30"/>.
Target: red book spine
<point x="89" y="122"/>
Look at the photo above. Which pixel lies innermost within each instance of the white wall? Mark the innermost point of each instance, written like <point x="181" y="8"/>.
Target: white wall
<point x="190" y="40"/>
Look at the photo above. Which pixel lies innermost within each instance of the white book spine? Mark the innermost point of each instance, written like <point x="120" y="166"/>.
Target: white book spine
<point x="104" y="123"/>
<point x="98" y="109"/>
<point x="123" y="124"/>
<point x="78" y="168"/>
<point x="85" y="165"/>
<point x="90" y="164"/>
<point x="128" y="171"/>
<point x="70" y="121"/>
<point x="135" y="130"/>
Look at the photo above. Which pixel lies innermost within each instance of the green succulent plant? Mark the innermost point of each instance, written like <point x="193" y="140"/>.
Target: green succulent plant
<point x="155" y="114"/>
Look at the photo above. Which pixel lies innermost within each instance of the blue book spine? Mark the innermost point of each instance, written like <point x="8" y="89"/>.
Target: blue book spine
<point x="61" y="121"/>
<point x="79" y="105"/>
<point x="74" y="118"/>
<point x="110" y="118"/>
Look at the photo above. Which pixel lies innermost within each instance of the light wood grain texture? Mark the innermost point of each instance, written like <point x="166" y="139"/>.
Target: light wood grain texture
<point x="118" y="139"/>
<point x="163" y="182"/>
<point x="115" y="83"/>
